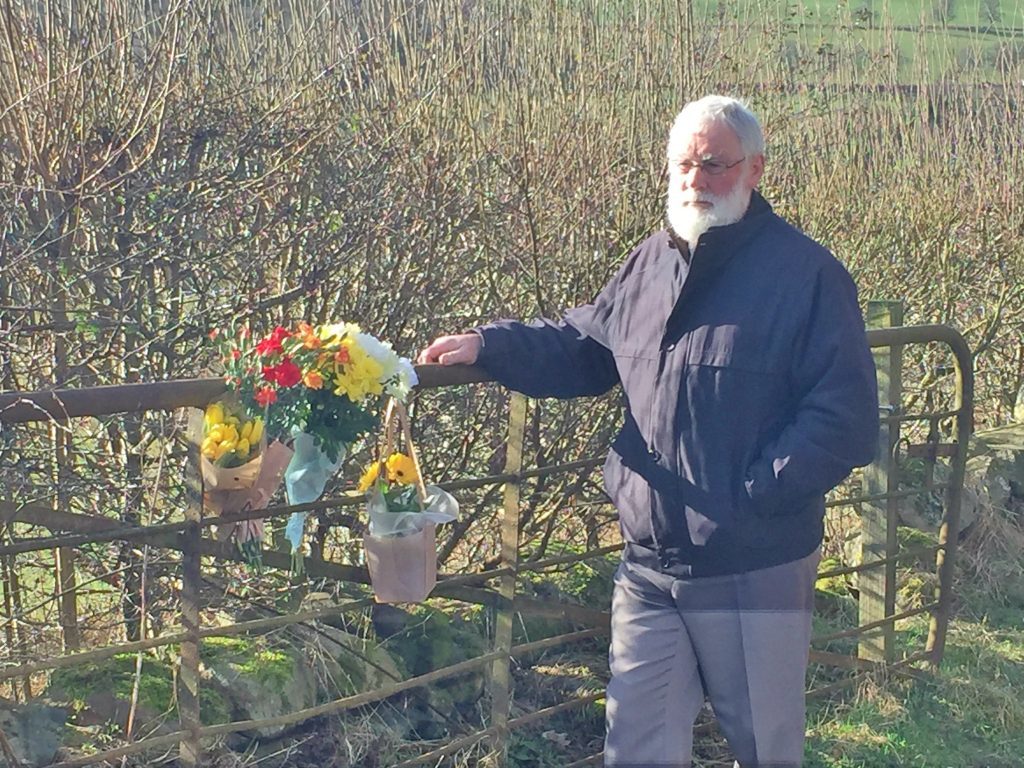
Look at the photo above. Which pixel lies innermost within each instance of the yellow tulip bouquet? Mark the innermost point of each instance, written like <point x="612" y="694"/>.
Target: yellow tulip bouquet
<point x="240" y="471"/>
<point x="227" y="441"/>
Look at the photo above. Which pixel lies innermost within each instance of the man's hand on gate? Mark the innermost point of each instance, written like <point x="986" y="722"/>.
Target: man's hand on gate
<point x="452" y="350"/>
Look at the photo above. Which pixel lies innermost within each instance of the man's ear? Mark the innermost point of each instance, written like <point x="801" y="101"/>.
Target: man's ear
<point x="756" y="170"/>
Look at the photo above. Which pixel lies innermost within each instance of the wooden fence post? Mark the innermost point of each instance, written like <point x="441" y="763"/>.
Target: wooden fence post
<point x="65" y="580"/>
<point x="65" y="583"/>
<point x="190" y="751"/>
<point x="501" y="668"/>
<point x="879" y="518"/>
<point x="14" y="632"/>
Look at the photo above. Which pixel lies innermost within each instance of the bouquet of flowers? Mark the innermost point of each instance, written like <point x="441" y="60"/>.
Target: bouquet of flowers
<point x="400" y="545"/>
<point x="231" y="450"/>
<point x="314" y="385"/>
<point x="240" y="471"/>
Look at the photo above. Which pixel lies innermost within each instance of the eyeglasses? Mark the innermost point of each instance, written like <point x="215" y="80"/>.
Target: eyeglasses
<point x="710" y="166"/>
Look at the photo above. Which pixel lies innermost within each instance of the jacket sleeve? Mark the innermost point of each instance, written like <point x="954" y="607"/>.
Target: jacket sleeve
<point x="834" y="426"/>
<point x="544" y="358"/>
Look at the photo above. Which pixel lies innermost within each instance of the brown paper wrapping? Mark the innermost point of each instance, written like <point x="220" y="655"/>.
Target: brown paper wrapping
<point x="230" y="478"/>
<point x="403" y="569"/>
<point x="271" y="464"/>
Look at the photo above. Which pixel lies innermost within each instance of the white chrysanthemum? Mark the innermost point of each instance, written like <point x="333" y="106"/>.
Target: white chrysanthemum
<point x="406" y="379"/>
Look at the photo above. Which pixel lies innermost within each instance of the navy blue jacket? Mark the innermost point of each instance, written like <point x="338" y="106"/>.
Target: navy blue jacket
<point x="750" y="390"/>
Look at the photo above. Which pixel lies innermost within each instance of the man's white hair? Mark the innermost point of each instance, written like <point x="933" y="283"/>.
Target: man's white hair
<point x="717" y="109"/>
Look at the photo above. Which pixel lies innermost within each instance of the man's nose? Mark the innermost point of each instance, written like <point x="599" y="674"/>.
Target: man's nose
<point x="695" y="178"/>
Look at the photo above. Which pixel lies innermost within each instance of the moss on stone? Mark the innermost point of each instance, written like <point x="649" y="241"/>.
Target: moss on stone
<point x="269" y="666"/>
<point x="253" y="657"/>
<point x="116" y="676"/>
<point x="226" y="647"/>
<point x="434" y="640"/>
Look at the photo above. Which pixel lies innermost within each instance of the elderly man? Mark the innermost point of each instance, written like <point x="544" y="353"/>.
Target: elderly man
<point x="750" y="393"/>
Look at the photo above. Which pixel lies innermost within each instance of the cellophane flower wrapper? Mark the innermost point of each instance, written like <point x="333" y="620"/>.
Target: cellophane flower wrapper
<point x="439" y="507"/>
<point x="305" y="479"/>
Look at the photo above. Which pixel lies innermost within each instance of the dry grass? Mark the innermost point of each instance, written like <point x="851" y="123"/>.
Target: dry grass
<point x="990" y="558"/>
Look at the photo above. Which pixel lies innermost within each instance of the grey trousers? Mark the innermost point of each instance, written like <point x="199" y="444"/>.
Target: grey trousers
<point x="740" y="640"/>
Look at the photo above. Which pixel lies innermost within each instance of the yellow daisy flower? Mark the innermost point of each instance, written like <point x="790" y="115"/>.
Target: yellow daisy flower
<point x="401" y="469"/>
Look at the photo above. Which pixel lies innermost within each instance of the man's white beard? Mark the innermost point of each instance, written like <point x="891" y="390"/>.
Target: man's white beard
<point x="690" y="221"/>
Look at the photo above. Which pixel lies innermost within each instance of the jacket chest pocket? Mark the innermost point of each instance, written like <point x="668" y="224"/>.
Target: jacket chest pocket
<point x="735" y="382"/>
<point x="737" y="348"/>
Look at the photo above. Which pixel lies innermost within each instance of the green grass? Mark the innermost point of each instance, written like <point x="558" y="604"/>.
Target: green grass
<point x="824" y="37"/>
<point x="899" y="12"/>
<point x="970" y="715"/>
